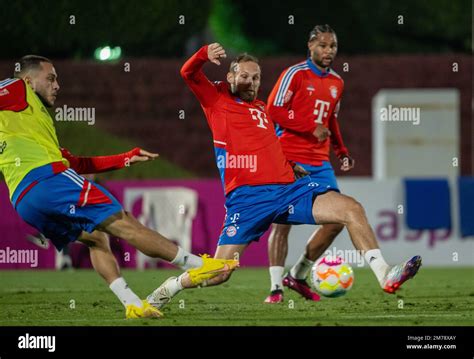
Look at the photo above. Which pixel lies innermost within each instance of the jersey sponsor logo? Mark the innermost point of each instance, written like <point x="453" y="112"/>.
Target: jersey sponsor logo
<point x="333" y="91"/>
<point x="3" y="145"/>
<point x="235" y="217"/>
<point x="310" y="89"/>
<point x="259" y="116"/>
<point x="321" y="109"/>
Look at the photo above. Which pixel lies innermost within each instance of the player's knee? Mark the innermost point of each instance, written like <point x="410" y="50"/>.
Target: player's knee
<point x="355" y="211"/>
<point x="96" y="239"/>
<point x="129" y="230"/>
<point x="102" y="239"/>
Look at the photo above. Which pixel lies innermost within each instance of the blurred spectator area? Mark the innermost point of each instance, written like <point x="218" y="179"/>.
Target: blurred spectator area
<point x="144" y="104"/>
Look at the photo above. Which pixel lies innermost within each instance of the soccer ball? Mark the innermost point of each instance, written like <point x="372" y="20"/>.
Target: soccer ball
<point x="332" y="277"/>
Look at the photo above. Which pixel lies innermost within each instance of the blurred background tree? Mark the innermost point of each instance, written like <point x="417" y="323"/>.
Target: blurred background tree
<point x="263" y="27"/>
<point x="368" y="26"/>
<point x="140" y="28"/>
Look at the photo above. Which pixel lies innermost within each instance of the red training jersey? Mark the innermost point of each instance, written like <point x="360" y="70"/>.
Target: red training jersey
<point x="302" y="98"/>
<point x="246" y="146"/>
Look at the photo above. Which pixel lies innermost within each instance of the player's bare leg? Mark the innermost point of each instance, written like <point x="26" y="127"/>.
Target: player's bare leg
<point x="319" y="241"/>
<point x="124" y="225"/>
<point x="173" y="285"/>
<point x="153" y="244"/>
<point x="278" y="244"/>
<point x="105" y="263"/>
<point x="333" y="207"/>
<point x="102" y="258"/>
<point x="277" y="253"/>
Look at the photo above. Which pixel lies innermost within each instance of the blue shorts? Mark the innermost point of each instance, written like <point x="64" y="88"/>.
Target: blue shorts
<point x="324" y="174"/>
<point x="64" y="205"/>
<point x="252" y="209"/>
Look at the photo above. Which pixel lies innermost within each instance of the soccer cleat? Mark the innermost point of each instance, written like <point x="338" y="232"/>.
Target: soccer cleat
<point x="210" y="268"/>
<point x="161" y="296"/>
<point x="399" y="274"/>
<point x="147" y="311"/>
<point x="276" y="296"/>
<point x="301" y="287"/>
<point x="40" y="240"/>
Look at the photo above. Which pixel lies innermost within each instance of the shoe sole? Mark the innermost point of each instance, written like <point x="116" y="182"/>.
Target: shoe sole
<point x="153" y="315"/>
<point x="410" y="271"/>
<point x="162" y="304"/>
<point x="216" y="272"/>
<point x="287" y="283"/>
<point x="266" y="301"/>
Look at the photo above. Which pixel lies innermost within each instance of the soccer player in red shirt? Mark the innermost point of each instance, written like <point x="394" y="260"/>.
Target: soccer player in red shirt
<point x="258" y="180"/>
<point x="305" y="104"/>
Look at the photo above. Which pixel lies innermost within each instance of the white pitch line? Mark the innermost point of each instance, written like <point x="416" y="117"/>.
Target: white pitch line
<point x="62" y="320"/>
<point x="342" y="317"/>
<point x="402" y="316"/>
<point x="40" y="290"/>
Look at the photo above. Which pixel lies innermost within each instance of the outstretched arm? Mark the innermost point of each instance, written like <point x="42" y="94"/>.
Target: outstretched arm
<point x="99" y="164"/>
<point x="192" y="73"/>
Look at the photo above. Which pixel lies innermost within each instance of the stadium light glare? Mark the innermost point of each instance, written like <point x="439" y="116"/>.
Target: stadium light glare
<point x="108" y="53"/>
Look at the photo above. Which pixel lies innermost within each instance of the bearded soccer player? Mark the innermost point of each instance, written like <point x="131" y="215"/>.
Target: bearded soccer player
<point x="48" y="192"/>
<point x="266" y="193"/>
<point x="305" y="103"/>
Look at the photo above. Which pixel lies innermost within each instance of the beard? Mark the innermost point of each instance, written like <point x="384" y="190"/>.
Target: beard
<point x="321" y="63"/>
<point x="43" y="100"/>
<point x="246" y="95"/>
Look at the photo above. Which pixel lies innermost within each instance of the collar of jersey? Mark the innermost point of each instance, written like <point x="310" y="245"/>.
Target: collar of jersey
<point x="317" y="71"/>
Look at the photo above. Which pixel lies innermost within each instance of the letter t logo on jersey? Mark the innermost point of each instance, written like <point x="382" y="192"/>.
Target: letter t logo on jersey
<point x="321" y="110"/>
<point x="259" y="116"/>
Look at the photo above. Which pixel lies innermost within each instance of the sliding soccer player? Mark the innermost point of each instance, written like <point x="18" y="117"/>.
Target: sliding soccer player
<point x="265" y="193"/>
<point x="47" y="191"/>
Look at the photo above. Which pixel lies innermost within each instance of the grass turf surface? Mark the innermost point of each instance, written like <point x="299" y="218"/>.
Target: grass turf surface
<point x="437" y="296"/>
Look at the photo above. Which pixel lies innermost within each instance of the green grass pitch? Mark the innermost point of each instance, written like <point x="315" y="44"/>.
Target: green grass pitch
<point x="437" y="297"/>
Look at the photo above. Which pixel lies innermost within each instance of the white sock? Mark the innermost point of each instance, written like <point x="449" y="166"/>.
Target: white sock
<point x="186" y="260"/>
<point x="175" y="286"/>
<point x="124" y="293"/>
<point x="276" y="277"/>
<point x="301" y="268"/>
<point x="377" y="263"/>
